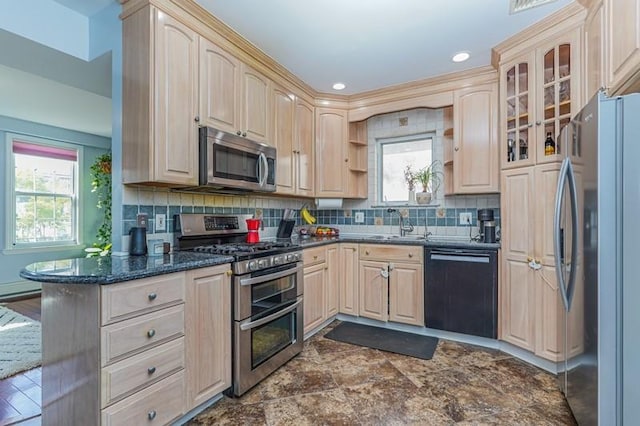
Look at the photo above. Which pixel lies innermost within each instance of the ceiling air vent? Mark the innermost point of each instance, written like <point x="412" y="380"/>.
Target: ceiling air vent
<point x="516" y="6"/>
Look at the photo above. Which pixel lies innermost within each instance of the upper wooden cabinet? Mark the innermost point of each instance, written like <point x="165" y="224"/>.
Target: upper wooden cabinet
<point x="293" y="139"/>
<point x="332" y="156"/>
<point x="539" y="93"/>
<point x="160" y="100"/>
<point x="219" y="88"/>
<point x="233" y="96"/>
<point x="623" y="45"/>
<point x="594" y="61"/>
<point x="476" y="166"/>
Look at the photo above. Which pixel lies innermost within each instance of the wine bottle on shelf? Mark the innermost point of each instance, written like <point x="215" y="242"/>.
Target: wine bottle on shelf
<point x="549" y="145"/>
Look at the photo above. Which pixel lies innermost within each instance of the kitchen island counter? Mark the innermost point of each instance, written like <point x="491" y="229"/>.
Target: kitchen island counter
<point x="112" y="269"/>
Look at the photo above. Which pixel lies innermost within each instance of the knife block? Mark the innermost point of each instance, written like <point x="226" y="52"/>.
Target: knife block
<point x="285" y="228"/>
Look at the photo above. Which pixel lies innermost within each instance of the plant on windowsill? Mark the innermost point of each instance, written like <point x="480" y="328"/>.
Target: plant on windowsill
<point x="101" y="185"/>
<point x="410" y="179"/>
<point x="429" y="178"/>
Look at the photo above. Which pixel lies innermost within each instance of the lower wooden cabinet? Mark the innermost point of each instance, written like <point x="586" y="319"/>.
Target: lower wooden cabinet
<point x="348" y="279"/>
<point x="391" y="283"/>
<point x="208" y="339"/>
<point x="321" y="291"/>
<point x="147" y="359"/>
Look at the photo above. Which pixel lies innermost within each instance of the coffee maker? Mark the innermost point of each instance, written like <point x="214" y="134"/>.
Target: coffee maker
<point x="486" y="225"/>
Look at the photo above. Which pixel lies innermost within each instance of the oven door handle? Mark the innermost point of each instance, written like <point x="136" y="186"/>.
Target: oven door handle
<point x="264" y="278"/>
<point x="274" y="316"/>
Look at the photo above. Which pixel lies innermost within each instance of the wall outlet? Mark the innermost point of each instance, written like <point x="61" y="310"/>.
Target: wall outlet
<point x="359" y="217"/>
<point x="161" y="222"/>
<point x="465" y="218"/>
<point x="142" y="219"/>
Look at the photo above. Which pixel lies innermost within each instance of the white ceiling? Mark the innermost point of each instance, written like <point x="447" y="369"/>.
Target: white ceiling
<point x="370" y="44"/>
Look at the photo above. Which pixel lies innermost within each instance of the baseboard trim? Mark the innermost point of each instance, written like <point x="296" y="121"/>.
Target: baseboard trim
<point x="19" y="290"/>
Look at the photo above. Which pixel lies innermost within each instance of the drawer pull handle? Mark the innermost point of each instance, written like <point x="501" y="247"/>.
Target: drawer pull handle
<point x="151" y="370"/>
<point x="410" y="254"/>
<point x="151" y="414"/>
<point x="151" y="333"/>
<point x="152" y="296"/>
<point x="366" y="252"/>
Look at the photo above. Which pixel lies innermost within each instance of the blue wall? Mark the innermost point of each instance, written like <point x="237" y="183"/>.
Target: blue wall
<point x="93" y="146"/>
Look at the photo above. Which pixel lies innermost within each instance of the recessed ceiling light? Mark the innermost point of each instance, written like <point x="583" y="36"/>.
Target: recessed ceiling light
<point x="460" y="57"/>
<point x="339" y="86"/>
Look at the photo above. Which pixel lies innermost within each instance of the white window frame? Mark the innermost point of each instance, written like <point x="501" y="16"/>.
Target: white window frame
<point x="379" y="173"/>
<point x="10" y="221"/>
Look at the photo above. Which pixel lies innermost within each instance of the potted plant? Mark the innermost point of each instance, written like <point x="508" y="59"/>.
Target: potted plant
<point x="101" y="185"/>
<point x="429" y="178"/>
<point x="410" y="178"/>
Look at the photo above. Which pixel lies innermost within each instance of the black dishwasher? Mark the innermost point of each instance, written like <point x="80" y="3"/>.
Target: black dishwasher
<point x="461" y="290"/>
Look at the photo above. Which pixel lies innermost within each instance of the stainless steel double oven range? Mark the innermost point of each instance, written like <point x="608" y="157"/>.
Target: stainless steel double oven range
<point x="267" y="293"/>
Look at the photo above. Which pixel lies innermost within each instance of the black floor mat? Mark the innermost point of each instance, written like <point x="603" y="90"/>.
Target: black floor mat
<point x="384" y="339"/>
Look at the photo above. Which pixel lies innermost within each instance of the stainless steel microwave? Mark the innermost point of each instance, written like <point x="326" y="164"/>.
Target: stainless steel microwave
<point x="232" y="162"/>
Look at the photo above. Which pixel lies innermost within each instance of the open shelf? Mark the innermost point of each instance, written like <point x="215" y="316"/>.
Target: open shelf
<point x="358" y="142"/>
<point x="358" y="160"/>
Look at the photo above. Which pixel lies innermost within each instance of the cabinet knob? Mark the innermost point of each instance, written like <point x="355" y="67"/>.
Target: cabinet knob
<point x="151" y="370"/>
<point x="538" y="123"/>
<point x="530" y="125"/>
<point x="151" y="414"/>
<point x="346" y="160"/>
<point x="456" y="149"/>
<point x="197" y="119"/>
<point x="315" y="257"/>
<point x="229" y="272"/>
<point x="410" y="254"/>
<point x="239" y="133"/>
<point x="391" y="266"/>
<point x="152" y="296"/>
<point x="366" y="252"/>
<point x="151" y="333"/>
<point x="244" y="134"/>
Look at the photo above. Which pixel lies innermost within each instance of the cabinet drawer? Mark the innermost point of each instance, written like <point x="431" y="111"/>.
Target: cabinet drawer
<point x="132" y="374"/>
<point x="134" y="335"/>
<point x="311" y="256"/>
<point x="391" y="253"/>
<point x="158" y="404"/>
<point x="121" y="301"/>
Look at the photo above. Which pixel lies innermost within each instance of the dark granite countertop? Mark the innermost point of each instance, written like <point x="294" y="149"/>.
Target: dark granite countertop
<point x="110" y="269"/>
<point x="441" y="242"/>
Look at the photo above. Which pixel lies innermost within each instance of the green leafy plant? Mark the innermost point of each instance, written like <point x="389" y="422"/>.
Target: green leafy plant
<point x="101" y="185"/>
<point x="429" y="177"/>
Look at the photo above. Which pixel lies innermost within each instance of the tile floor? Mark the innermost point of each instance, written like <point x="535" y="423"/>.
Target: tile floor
<point x="333" y="383"/>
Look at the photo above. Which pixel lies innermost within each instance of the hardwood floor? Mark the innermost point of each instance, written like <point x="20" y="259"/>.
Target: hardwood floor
<point x="21" y="395"/>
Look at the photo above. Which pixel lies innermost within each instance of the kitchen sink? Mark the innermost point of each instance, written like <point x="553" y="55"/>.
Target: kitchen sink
<point x="398" y="237"/>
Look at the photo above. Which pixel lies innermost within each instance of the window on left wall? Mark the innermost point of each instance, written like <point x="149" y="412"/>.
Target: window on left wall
<point x="43" y="193"/>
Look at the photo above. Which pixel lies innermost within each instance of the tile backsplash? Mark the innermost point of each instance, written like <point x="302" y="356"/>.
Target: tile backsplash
<point x="438" y="220"/>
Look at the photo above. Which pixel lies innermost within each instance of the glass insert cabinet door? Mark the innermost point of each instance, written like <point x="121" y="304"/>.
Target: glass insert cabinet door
<point x="555" y="100"/>
<point x="517" y="83"/>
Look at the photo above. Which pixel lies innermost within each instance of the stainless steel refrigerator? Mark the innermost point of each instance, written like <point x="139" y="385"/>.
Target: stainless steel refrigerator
<point x="597" y="243"/>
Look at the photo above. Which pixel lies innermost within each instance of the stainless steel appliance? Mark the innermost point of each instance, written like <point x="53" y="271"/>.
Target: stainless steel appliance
<point x="267" y="293"/>
<point x="595" y="244"/>
<point x="485" y="216"/>
<point x="461" y="290"/>
<point x="229" y="161"/>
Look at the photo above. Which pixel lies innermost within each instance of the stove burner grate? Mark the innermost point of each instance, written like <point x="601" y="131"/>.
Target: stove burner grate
<point x="238" y="248"/>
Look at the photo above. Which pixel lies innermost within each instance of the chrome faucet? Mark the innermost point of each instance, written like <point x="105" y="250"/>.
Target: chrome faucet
<point x="405" y="224"/>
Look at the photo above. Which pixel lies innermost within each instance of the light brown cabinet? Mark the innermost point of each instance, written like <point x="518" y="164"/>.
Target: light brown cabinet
<point x="594" y="51"/>
<point x="293" y="138"/>
<point x="348" y="285"/>
<point x="540" y="90"/>
<point x="320" y="285"/>
<point x="234" y="97"/>
<point x="332" y="156"/>
<point x="623" y="46"/>
<point x="208" y="340"/>
<point x="391" y="283"/>
<point x="476" y="165"/>
<point x="531" y="307"/>
<point x="160" y="100"/>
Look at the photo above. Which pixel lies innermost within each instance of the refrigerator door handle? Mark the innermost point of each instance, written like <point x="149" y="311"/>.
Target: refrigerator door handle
<point x="573" y="193"/>
<point x="557" y="246"/>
